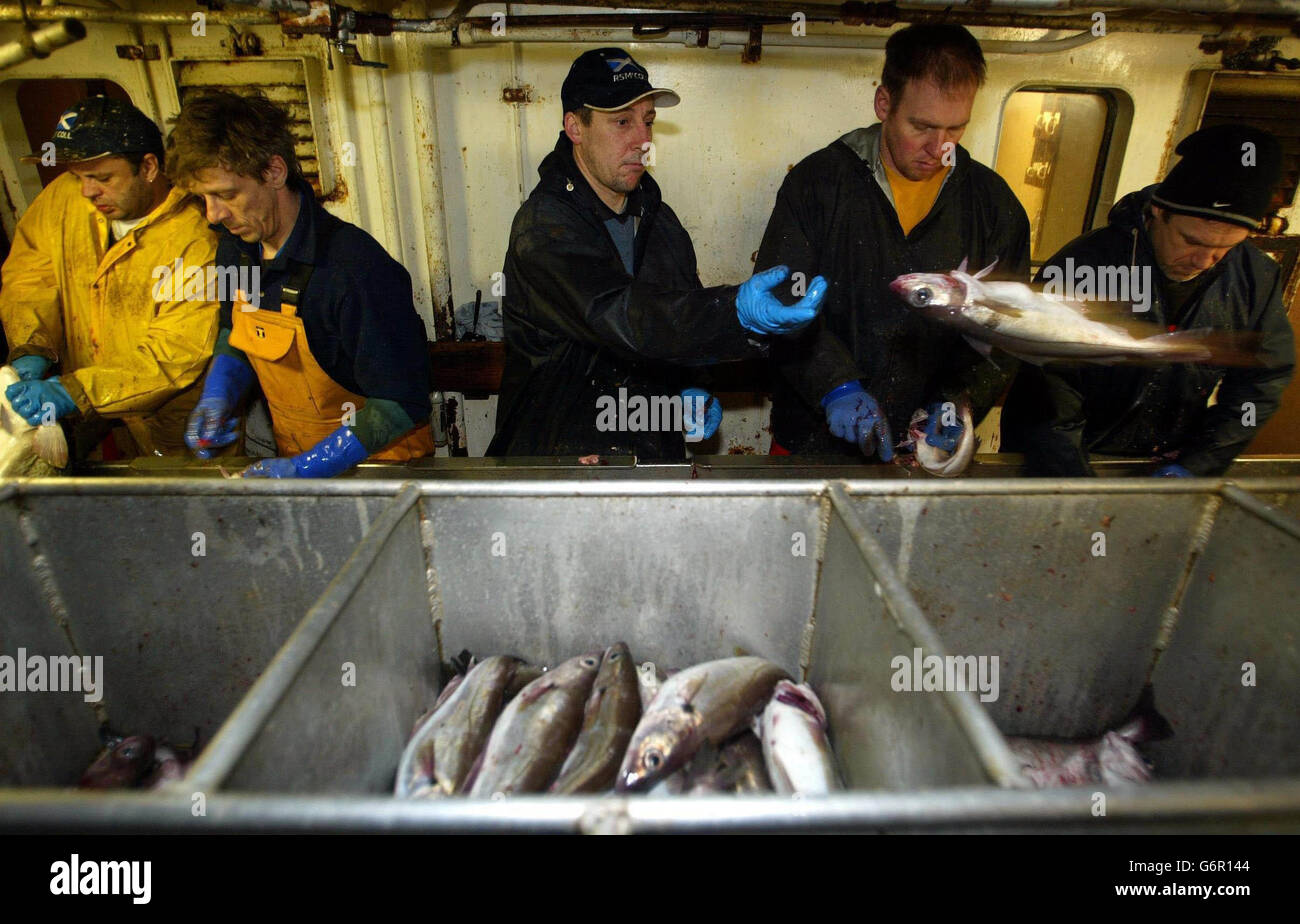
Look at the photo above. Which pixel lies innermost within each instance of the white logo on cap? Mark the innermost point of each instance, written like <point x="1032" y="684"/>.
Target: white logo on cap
<point x="1221" y="205"/>
<point x="67" y="120"/>
<point x="617" y="64"/>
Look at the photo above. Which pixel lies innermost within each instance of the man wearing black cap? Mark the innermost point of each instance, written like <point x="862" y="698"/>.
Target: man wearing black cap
<point x="82" y="295"/>
<point x="603" y="306"/>
<point x="1189" y="233"/>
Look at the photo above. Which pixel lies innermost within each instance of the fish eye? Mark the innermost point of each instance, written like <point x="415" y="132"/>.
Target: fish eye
<point x="922" y="296"/>
<point x="589" y="662"/>
<point x="653" y="759"/>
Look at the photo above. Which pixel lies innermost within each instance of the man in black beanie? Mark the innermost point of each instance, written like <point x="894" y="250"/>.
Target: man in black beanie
<point x="1188" y="235"/>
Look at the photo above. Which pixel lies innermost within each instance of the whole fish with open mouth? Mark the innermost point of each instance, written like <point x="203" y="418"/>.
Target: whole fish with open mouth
<point x="796" y="747"/>
<point x="1111" y="759"/>
<point x="536" y="731"/>
<point x="708" y="702"/>
<point x="610" y="717"/>
<point x="440" y="754"/>
<point x="1038" y="327"/>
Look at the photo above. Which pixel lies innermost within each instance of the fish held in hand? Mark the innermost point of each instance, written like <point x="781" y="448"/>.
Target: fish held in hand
<point x="1111" y="759"/>
<point x="444" y="748"/>
<point x="27" y="451"/>
<point x="1039" y="327"/>
<point x="610" y="717"/>
<point x="709" y="702"/>
<point x="536" y="731"/>
<point x="937" y="461"/>
<point x="796" y="744"/>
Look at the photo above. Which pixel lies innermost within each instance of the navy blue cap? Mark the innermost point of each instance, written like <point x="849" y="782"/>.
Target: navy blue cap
<point x="607" y="80"/>
<point x="99" y="127"/>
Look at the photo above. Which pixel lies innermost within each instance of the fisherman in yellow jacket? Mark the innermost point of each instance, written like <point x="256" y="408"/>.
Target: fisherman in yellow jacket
<point x="108" y="284"/>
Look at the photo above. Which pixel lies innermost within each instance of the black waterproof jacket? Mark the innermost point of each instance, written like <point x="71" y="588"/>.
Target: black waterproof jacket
<point x="1059" y="413"/>
<point x="832" y="218"/>
<point x="579" y="327"/>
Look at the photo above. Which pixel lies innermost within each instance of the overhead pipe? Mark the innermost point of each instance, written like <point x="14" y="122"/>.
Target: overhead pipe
<point x="12" y="12"/>
<point x="40" y="42"/>
<point x="574" y="27"/>
<point x="726" y="38"/>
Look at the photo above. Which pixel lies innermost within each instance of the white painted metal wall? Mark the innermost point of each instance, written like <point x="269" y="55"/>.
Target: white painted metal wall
<point x="721" y="154"/>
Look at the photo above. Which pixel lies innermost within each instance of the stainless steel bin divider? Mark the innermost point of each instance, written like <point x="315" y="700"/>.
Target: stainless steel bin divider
<point x="887" y="737"/>
<point x="332" y="711"/>
<point x="1229" y="681"/>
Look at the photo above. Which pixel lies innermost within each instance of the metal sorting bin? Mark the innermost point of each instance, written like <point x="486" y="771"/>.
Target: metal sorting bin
<point x="831" y="579"/>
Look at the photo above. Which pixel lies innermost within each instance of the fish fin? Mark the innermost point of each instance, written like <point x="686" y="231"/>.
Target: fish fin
<point x="690" y="689"/>
<point x="962" y="268"/>
<point x="1001" y="306"/>
<point x="52" y="445"/>
<point x="988" y="269"/>
<point x="537" y="692"/>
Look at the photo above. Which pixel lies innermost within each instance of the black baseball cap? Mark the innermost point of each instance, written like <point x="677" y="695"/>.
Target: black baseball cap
<point x="607" y="80"/>
<point x="98" y="127"/>
<point x="1228" y="173"/>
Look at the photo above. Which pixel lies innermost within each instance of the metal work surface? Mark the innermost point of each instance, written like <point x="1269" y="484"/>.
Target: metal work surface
<point x="725" y="467"/>
<point x="683" y="571"/>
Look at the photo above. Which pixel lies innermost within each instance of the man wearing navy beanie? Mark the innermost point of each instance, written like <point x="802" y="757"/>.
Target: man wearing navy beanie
<point x="1189" y="234"/>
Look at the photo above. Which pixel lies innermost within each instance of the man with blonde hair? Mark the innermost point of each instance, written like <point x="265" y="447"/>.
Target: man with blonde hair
<point x="330" y="333"/>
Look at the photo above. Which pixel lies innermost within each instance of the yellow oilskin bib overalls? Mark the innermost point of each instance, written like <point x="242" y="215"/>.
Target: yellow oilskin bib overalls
<point x="306" y="404"/>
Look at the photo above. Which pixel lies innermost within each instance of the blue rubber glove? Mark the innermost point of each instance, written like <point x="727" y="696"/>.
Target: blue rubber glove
<point x="337" y="453"/>
<point x="212" y="424"/>
<point x="30" y="366"/>
<point x="34" y="398"/>
<point x="697" y="429"/>
<point x="854" y="415"/>
<point x="762" y="312"/>
<point x="1172" y="471"/>
<point x="939" y="436"/>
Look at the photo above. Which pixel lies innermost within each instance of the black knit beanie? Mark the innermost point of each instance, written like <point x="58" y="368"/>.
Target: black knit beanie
<point x="1228" y="173"/>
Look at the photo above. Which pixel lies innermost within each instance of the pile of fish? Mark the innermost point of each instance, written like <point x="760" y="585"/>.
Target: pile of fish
<point x="1109" y="760"/>
<point x="137" y="762"/>
<point x="27" y="451"/>
<point x="597" y="723"/>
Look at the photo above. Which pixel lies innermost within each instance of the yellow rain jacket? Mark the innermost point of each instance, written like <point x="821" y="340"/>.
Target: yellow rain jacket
<point x="131" y="347"/>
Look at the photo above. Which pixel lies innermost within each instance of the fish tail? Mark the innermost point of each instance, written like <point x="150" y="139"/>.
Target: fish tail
<point x="52" y="445"/>
<point x="1213" y="347"/>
